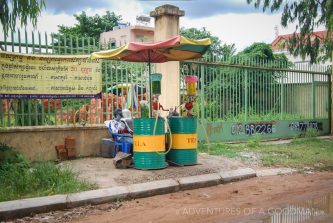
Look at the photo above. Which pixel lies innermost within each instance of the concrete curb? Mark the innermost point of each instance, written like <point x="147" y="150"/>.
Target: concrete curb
<point x="275" y="171"/>
<point x="96" y="196"/>
<point x="24" y="207"/>
<point x="194" y="182"/>
<point x="153" y="188"/>
<point x="236" y="175"/>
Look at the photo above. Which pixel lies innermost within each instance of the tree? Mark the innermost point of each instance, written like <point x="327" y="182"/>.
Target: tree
<point x="308" y="14"/>
<point x="89" y="27"/>
<point x="23" y="10"/>
<point x="217" y="48"/>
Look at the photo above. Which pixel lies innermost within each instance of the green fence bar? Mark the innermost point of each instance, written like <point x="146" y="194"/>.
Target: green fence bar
<point x="313" y="88"/>
<point x="246" y="96"/>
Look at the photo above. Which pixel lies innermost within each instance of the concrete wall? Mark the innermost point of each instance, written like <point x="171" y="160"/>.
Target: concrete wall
<point x="146" y="33"/>
<point x="128" y="34"/>
<point x="38" y="143"/>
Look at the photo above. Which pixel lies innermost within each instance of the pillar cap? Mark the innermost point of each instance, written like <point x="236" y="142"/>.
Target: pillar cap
<point x="167" y="10"/>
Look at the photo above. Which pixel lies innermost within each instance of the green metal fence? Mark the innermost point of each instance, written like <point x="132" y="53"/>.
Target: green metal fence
<point x="238" y="98"/>
<point x="120" y="80"/>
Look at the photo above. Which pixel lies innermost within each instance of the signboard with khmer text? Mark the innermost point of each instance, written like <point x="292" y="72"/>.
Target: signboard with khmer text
<point x="49" y="76"/>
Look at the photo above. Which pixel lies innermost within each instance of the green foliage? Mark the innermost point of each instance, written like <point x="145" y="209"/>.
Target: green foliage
<point x="311" y="133"/>
<point x="254" y="141"/>
<point x="9" y="156"/>
<point x="22" y="10"/>
<point x="19" y="179"/>
<point x="220" y="149"/>
<point x="86" y="32"/>
<point x="310" y="152"/>
<point x="308" y="14"/>
<point x="217" y="47"/>
<point x="41" y="180"/>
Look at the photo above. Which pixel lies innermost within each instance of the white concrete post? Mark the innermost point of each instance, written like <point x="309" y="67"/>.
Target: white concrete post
<point x="167" y="26"/>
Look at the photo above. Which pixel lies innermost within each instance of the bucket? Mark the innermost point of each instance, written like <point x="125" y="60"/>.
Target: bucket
<point x="148" y="148"/>
<point x="191" y="85"/>
<point x="106" y="147"/>
<point x="184" y="141"/>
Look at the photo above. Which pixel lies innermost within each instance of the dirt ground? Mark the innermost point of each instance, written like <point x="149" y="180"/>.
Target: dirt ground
<point x="102" y="171"/>
<point x="306" y="197"/>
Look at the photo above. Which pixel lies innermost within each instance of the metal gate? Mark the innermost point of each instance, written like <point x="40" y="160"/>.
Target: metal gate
<point x="242" y="98"/>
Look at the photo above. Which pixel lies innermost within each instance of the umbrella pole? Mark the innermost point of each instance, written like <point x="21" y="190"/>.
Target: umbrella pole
<point x="150" y="96"/>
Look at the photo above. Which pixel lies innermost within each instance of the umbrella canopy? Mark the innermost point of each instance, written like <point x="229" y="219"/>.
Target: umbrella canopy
<point x="175" y="49"/>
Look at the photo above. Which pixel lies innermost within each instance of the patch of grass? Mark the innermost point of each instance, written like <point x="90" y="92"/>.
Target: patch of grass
<point x="20" y="179"/>
<point x="219" y="149"/>
<point x="310" y="152"/>
<point x="311" y="133"/>
<point x="254" y="142"/>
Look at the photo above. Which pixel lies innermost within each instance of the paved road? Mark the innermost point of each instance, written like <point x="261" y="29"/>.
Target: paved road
<point x="255" y="200"/>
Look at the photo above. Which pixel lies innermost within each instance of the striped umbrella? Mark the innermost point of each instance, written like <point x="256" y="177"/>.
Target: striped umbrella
<point x="177" y="48"/>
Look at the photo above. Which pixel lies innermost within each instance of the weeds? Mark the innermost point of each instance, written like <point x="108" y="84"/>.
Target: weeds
<point x="218" y="149"/>
<point x="20" y="179"/>
<point x="311" y="152"/>
<point x="254" y="142"/>
<point x="311" y="133"/>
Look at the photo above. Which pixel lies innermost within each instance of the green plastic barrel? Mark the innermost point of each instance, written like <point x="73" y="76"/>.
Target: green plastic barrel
<point x="184" y="141"/>
<point x="148" y="148"/>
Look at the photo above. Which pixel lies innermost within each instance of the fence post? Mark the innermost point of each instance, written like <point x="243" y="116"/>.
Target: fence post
<point x="246" y="95"/>
<point x="313" y="87"/>
<point x="202" y="93"/>
<point x="282" y="98"/>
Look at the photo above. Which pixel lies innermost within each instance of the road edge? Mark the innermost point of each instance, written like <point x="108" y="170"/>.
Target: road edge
<point x="26" y="207"/>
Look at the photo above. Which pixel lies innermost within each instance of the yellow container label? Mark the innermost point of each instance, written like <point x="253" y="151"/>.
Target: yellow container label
<point x="149" y="143"/>
<point x="184" y="141"/>
<point x="191" y="88"/>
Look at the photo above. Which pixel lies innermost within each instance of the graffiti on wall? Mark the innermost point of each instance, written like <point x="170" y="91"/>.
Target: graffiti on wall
<point x="303" y="126"/>
<point x="252" y="128"/>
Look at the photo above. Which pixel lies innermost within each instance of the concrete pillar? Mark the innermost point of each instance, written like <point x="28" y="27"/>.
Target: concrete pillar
<point x="167" y="26"/>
